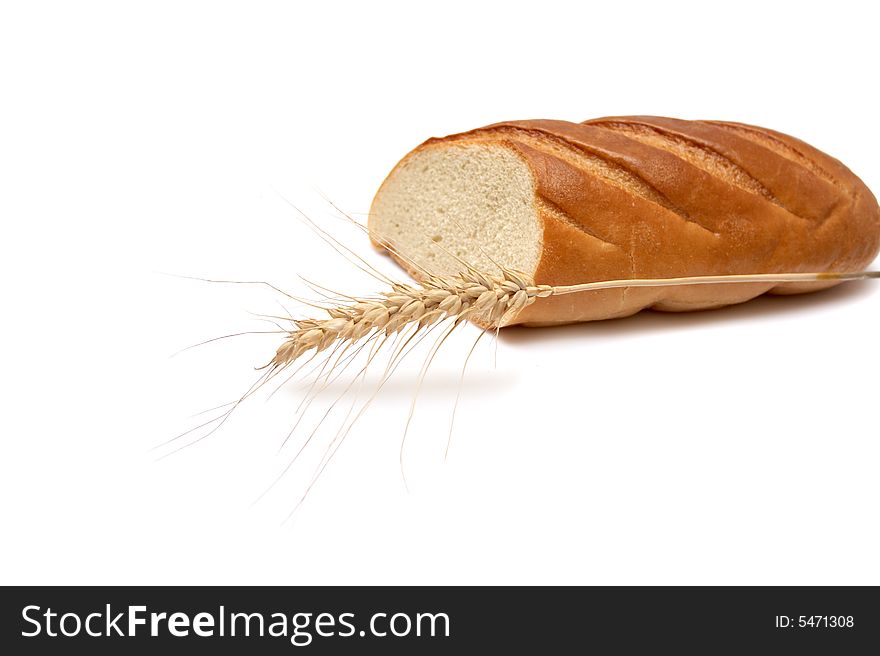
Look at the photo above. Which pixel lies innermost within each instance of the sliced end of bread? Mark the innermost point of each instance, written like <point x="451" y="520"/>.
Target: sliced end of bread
<point x="471" y="201"/>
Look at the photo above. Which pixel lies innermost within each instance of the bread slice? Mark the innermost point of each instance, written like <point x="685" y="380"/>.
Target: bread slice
<point x="623" y="198"/>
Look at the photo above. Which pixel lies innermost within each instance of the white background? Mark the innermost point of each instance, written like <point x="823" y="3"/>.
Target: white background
<point x="138" y="140"/>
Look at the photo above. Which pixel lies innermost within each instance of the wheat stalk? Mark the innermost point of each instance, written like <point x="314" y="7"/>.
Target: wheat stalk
<point x="488" y="300"/>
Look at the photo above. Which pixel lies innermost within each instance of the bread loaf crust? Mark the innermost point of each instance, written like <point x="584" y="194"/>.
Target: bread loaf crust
<point x="651" y="197"/>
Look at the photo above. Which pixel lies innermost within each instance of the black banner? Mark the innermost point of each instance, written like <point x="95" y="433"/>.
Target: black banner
<point x="439" y="620"/>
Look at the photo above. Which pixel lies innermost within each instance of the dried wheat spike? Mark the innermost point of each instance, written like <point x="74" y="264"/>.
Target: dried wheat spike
<point x="488" y="300"/>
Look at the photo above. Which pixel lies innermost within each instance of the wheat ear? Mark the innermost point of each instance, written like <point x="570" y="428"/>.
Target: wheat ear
<point x="492" y="300"/>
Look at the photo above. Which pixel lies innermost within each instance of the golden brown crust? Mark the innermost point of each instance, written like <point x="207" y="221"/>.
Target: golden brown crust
<point x="648" y="197"/>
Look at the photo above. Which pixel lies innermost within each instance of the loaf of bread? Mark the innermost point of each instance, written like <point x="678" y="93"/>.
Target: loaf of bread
<point x="624" y="198"/>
